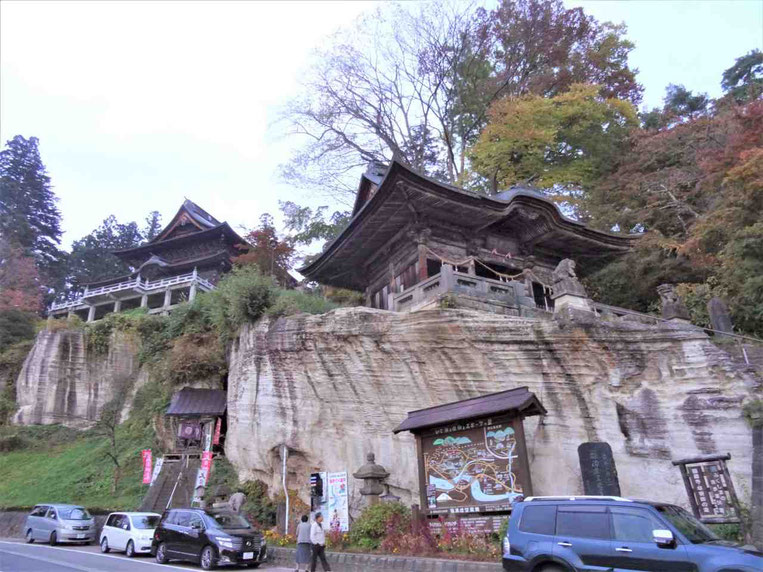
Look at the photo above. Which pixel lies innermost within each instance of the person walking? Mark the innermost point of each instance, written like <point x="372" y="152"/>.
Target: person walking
<point x="304" y="545"/>
<point x="318" y="538"/>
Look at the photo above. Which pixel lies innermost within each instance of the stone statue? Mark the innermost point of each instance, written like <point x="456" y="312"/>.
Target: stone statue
<point x="672" y="306"/>
<point x="372" y="476"/>
<point x="565" y="281"/>
<point x="720" y="318"/>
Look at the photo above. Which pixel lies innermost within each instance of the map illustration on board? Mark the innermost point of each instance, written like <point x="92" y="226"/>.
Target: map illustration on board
<point x="472" y="466"/>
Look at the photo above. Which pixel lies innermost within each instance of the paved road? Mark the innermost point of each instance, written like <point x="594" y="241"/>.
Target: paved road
<point x="16" y="556"/>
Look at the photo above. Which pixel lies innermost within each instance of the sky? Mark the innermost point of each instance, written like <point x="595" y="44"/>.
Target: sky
<point x="139" y="104"/>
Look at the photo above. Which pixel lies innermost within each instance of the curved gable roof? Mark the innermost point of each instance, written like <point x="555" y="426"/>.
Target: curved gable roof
<point x="404" y="196"/>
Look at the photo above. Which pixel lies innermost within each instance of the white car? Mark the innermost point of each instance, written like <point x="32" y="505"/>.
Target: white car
<point x="131" y="532"/>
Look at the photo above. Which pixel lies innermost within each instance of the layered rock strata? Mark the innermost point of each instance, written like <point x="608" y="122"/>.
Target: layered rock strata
<point x="333" y="387"/>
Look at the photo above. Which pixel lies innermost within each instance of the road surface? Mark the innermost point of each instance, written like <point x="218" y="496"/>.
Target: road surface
<point x="16" y="556"/>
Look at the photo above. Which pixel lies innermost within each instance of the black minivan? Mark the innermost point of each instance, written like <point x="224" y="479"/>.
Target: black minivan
<point x="566" y="534"/>
<point x="207" y="537"/>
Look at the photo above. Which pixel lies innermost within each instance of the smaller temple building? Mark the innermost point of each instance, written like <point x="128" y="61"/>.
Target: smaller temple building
<point x="413" y="240"/>
<point x="190" y="254"/>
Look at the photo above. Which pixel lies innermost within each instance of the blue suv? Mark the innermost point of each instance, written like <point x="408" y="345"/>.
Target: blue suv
<point x="568" y="534"/>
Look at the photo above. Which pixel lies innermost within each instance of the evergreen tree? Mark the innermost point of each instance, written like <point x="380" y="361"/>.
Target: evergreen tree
<point x="744" y="80"/>
<point x="29" y="217"/>
<point x="153" y="226"/>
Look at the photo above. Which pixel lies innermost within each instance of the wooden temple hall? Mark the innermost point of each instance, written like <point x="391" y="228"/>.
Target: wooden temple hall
<point x="414" y="242"/>
<point x="189" y="255"/>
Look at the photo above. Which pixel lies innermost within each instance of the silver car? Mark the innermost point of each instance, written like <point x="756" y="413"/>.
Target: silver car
<point x="56" y="523"/>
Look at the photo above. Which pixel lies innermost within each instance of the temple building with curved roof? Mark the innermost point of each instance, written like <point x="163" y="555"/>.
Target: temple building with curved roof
<point x="188" y="255"/>
<point x="413" y="239"/>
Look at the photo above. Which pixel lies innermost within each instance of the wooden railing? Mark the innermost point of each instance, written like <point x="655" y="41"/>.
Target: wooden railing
<point x="138" y="286"/>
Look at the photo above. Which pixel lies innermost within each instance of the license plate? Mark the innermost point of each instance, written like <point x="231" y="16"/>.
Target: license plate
<point x="81" y="535"/>
<point x="248" y="555"/>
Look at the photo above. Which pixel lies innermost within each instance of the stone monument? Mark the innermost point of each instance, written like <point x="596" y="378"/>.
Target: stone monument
<point x="673" y="308"/>
<point x="568" y="291"/>
<point x="373" y="477"/>
<point x="597" y="467"/>
<point x="720" y="318"/>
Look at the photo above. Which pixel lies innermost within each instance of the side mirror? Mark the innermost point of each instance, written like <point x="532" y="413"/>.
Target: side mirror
<point x="663" y="538"/>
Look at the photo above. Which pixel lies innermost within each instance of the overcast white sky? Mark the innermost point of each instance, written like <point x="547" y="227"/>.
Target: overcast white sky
<point x="138" y="104"/>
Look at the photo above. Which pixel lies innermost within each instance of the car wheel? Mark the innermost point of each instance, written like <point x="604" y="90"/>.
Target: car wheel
<point x="53" y="539"/>
<point x="28" y="537"/>
<point x="208" y="558"/>
<point x="130" y="550"/>
<point x="105" y="545"/>
<point x="161" y="554"/>
<point x="550" y="568"/>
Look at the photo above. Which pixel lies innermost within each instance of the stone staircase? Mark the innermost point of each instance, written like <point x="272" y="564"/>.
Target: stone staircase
<point x="174" y="486"/>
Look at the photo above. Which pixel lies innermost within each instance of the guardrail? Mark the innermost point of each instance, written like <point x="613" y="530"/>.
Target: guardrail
<point x="137" y="285"/>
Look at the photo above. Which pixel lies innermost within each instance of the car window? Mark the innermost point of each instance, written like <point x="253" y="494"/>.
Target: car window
<point x="39" y="511"/>
<point x="582" y="522"/>
<point x="145" y="522"/>
<point x="170" y="517"/>
<point x="76" y="513"/>
<point x="124" y="522"/>
<point x="112" y="520"/>
<point x="183" y="518"/>
<point x="228" y="520"/>
<point x="689" y="526"/>
<point x="52" y="513"/>
<point x="538" y="519"/>
<point x="194" y="521"/>
<point x="634" y="525"/>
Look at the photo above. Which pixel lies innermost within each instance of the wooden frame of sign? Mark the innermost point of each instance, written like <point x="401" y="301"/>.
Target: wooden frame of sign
<point x="710" y="489"/>
<point x="470" y="451"/>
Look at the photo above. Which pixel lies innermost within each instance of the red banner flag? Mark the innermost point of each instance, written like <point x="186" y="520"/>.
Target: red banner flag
<point x="218" y="426"/>
<point x="206" y="464"/>
<point x="146" y="453"/>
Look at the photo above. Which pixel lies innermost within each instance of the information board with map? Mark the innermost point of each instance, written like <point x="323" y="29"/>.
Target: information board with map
<point x="473" y="466"/>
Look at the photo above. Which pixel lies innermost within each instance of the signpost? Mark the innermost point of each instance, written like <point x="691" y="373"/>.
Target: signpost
<point x="711" y="492"/>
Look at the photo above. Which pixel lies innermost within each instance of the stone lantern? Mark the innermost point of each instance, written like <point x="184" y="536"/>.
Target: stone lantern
<point x="373" y="476"/>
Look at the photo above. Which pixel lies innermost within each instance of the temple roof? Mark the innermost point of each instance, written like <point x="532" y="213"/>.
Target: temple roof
<point x="519" y="401"/>
<point x="405" y="196"/>
<point x="192" y="402"/>
<point x="190" y="223"/>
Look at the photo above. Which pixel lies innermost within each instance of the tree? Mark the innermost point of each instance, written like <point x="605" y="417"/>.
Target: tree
<point x="153" y="226"/>
<point x="20" y="287"/>
<point x="744" y="80"/>
<point x="567" y="141"/>
<point x="417" y="86"/>
<point x="29" y="216"/>
<point x="91" y="257"/>
<point x="681" y="104"/>
<point x="272" y="255"/>
<point x="308" y="225"/>
<point x="107" y="427"/>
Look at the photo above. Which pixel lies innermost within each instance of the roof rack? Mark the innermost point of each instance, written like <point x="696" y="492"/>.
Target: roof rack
<point x="577" y="497"/>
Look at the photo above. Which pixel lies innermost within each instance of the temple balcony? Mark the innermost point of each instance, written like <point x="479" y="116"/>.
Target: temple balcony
<point x="450" y="286"/>
<point x="158" y="296"/>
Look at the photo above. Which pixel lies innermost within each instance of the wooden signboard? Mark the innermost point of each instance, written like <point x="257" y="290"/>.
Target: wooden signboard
<point x="711" y="492"/>
<point x="597" y="466"/>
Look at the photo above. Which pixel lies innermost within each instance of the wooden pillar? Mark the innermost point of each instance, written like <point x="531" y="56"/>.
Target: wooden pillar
<point x="422" y="261"/>
<point x="91" y="314"/>
<point x="117" y="306"/>
<point x="192" y="292"/>
<point x="144" y="301"/>
<point x="167" y="298"/>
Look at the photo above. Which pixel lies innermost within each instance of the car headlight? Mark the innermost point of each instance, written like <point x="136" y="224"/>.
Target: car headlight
<point x="225" y="542"/>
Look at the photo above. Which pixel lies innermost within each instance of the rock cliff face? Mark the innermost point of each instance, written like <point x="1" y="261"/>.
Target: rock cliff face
<point x="333" y="387"/>
<point x="64" y="382"/>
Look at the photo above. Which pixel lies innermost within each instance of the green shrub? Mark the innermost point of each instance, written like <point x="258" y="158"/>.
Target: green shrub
<point x="258" y="507"/>
<point x="290" y="302"/>
<point x="98" y="335"/>
<point x="197" y="356"/>
<point x="242" y="296"/>
<point x="16" y="326"/>
<point x="374" y="524"/>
